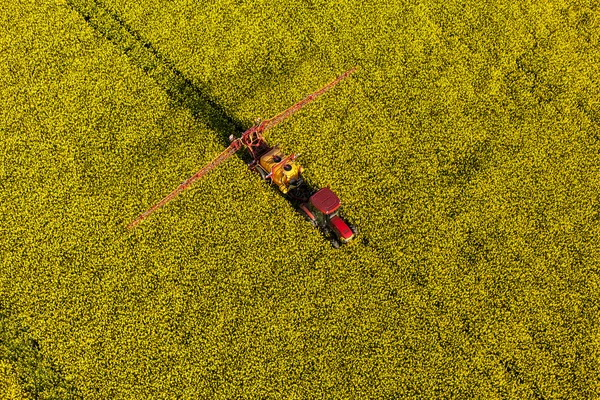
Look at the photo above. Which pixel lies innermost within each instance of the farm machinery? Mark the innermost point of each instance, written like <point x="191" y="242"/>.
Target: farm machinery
<point x="320" y="207"/>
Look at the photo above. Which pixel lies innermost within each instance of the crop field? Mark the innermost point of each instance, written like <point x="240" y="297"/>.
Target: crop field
<point x="466" y="149"/>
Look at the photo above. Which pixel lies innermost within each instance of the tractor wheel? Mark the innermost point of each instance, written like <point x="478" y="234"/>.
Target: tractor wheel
<point x="335" y="243"/>
<point x="263" y="174"/>
<point x="353" y="229"/>
<point x="306" y="217"/>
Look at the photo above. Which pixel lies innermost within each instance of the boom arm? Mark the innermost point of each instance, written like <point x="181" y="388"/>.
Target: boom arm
<point x="228" y="152"/>
<point x="269" y="123"/>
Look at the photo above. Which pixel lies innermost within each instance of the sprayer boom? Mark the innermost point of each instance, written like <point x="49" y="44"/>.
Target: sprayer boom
<point x="269" y="123"/>
<point x="249" y="139"/>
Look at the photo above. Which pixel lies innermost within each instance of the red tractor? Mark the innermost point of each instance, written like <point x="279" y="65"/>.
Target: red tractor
<point x="320" y="207"/>
<point x="322" y="210"/>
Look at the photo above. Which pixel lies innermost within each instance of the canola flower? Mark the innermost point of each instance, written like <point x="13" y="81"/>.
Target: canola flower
<point x="465" y="151"/>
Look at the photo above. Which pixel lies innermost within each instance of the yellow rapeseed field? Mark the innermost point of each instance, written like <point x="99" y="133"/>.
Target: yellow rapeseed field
<point x="466" y="149"/>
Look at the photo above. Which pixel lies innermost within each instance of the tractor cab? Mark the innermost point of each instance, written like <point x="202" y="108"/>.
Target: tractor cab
<point x="322" y="208"/>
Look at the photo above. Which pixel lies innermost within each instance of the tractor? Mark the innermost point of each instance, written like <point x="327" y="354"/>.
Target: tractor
<point x="322" y="210"/>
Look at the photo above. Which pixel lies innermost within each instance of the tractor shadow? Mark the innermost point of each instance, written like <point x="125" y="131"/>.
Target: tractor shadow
<point x="180" y="89"/>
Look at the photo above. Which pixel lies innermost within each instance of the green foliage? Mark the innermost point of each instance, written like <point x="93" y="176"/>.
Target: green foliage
<point x="465" y="149"/>
<point x="24" y="371"/>
<point x="9" y="384"/>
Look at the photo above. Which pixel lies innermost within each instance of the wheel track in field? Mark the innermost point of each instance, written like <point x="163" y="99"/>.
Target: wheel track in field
<point x="145" y="56"/>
